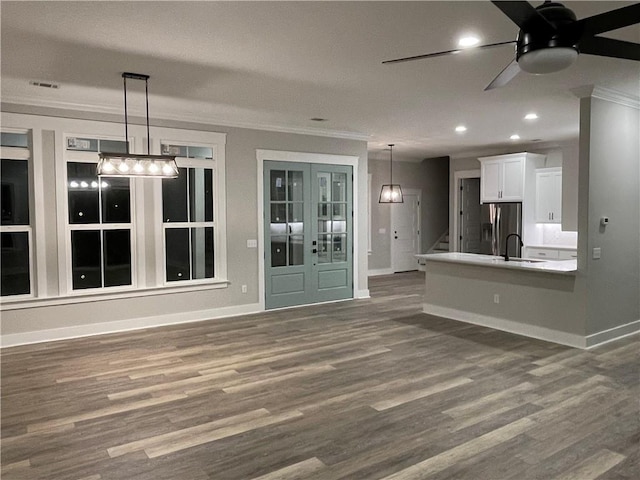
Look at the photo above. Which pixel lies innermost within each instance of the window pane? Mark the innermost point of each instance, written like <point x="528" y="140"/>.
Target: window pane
<point x="323" y="187"/>
<point x="339" y="187"/>
<point x="324" y="248"/>
<point x="295" y="186"/>
<point x="278" y="184"/>
<point x="174" y="197"/>
<point x="201" y="194"/>
<point x="113" y="146"/>
<point x="296" y="220"/>
<point x="177" y="254"/>
<point x="202" y="252"/>
<point x="14" y="263"/>
<point x="117" y="261"/>
<point x="200" y="152"/>
<point x="83" y="193"/>
<point x="323" y="211"/>
<point x="14" y="140"/>
<point x="15" y="192"/>
<point x="85" y="258"/>
<point x="296" y="250"/>
<point x="339" y="211"/>
<point x="278" y="251"/>
<point x="339" y="248"/>
<point x="278" y="219"/>
<point x="116" y="201"/>
<point x="176" y="150"/>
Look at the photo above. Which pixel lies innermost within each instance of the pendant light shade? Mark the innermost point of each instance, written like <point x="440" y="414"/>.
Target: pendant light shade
<point x="391" y="192"/>
<point x="136" y="165"/>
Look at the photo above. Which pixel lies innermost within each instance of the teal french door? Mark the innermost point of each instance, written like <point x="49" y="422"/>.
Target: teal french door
<point x="308" y="233"/>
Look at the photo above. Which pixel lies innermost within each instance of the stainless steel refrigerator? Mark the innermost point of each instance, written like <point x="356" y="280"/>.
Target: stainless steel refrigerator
<point x="497" y="220"/>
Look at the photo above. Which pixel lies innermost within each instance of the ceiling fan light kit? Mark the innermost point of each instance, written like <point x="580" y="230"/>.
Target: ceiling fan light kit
<point x="551" y="38"/>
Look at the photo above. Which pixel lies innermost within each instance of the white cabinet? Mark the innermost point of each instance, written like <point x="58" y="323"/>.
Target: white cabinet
<point x="502" y="178"/>
<point x="550" y="253"/>
<point x="549" y="195"/>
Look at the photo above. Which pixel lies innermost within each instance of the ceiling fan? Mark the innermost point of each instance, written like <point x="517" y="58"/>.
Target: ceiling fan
<point x="551" y="37"/>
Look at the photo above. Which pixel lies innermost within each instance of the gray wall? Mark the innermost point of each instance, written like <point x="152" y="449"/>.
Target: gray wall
<point x="610" y="167"/>
<point x="431" y="176"/>
<point x="242" y="208"/>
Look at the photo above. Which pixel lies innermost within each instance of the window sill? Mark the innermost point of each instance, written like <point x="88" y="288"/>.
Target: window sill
<point x="17" y="304"/>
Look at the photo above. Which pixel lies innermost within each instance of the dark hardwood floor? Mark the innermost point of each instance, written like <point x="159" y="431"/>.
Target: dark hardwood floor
<point x="365" y="389"/>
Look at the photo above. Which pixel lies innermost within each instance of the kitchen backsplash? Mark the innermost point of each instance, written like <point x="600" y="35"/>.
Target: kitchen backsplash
<point x="552" y="234"/>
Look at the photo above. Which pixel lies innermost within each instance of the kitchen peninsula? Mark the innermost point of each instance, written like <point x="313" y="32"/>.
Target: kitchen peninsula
<point x="528" y="297"/>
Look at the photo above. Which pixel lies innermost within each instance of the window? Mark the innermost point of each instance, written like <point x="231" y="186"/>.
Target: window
<point x="15" y="229"/>
<point x="188" y="222"/>
<point x="99" y="218"/>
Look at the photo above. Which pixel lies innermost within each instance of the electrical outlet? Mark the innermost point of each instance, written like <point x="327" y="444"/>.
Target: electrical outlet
<point x="244" y="289"/>
<point x="496" y="298"/>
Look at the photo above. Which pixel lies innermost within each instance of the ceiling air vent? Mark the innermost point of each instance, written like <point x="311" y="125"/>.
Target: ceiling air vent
<point x="36" y="83"/>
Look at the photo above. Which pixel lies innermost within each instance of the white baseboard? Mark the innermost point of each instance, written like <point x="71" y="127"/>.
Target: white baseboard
<point x="541" y="333"/>
<point x="612" y="334"/>
<point x="362" y="294"/>
<point x="64" y="333"/>
<point x="380" y="271"/>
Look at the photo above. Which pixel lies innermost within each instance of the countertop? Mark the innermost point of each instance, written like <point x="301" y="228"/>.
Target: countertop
<point x="534" y="265"/>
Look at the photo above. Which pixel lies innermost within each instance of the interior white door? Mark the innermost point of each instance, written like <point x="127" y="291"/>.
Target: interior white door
<point x="405" y="232"/>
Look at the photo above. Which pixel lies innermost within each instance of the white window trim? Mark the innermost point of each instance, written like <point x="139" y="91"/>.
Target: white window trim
<point x="145" y="285"/>
<point x="27" y="154"/>
<point x="76" y="156"/>
<point x="217" y="164"/>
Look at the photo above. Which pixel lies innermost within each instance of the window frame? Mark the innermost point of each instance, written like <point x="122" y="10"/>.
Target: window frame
<point x="79" y="156"/>
<point x="23" y="154"/>
<point x="219" y="261"/>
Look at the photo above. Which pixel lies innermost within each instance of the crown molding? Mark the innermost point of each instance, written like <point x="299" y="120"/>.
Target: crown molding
<point x="608" y="94"/>
<point x="179" y="117"/>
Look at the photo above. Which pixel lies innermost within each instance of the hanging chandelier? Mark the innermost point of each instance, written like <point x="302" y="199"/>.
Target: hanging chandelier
<point x="131" y="164"/>
<point x="391" y="193"/>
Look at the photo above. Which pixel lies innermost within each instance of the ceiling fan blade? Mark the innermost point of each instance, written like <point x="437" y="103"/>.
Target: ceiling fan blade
<point x="505" y="76"/>
<point x="448" y="52"/>
<point x="608" y="47"/>
<point x="524" y="15"/>
<point x="605" y="22"/>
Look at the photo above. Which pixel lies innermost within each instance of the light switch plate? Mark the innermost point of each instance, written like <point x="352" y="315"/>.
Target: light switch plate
<point x="597" y="253"/>
<point x="252" y="243"/>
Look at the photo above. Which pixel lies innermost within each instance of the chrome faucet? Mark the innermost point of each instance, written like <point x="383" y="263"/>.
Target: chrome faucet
<point x="506" y="245"/>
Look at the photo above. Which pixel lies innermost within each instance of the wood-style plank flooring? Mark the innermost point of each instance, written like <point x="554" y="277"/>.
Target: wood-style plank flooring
<point x="365" y="389"/>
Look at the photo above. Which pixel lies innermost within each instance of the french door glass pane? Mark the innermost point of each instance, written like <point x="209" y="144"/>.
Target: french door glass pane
<point x="83" y="193"/>
<point x="15" y="192"/>
<point x="201" y="194"/>
<point x="324" y="248"/>
<point x="296" y="250"/>
<point x="278" y="251"/>
<point x="278" y="184"/>
<point x="202" y="252"/>
<point x="86" y="259"/>
<point x="296" y="220"/>
<point x="323" y="211"/>
<point x="296" y="186"/>
<point x="339" y="248"/>
<point x="14" y="263"/>
<point x="339" y="187"/>
<point x="177" y="254"/>
<point x="117" y="257"/>
<point x="116" y="201"/>
<point x="174" y="198"/>
<point x="324" y="194"/>
<point x="339" y="211"/>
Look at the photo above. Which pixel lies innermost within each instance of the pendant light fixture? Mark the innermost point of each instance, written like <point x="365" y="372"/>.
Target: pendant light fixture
<point x="131" y="164"/>
<point x="391" y="193"/>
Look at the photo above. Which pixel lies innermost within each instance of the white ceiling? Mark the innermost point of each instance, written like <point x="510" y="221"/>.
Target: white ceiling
<point x="278" y="64"/>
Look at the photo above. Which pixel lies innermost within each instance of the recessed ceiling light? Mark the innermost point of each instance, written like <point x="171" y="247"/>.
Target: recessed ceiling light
<point x="318" y="119"/>
<point x="461" y="128"/>
<point x="531" y="116"/>
<point x="515" y="136"/>
<point x="468" y="41"/>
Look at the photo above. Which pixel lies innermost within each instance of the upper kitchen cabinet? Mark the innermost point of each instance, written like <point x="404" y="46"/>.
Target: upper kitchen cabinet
<point x="549" y="195"/>
<point x="503" y="177"/>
